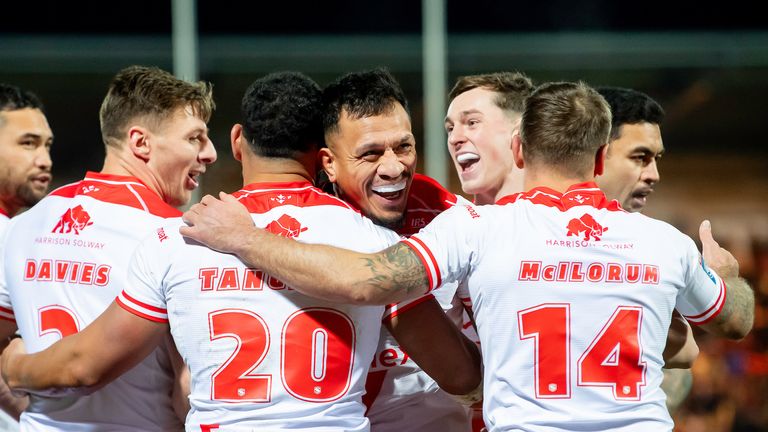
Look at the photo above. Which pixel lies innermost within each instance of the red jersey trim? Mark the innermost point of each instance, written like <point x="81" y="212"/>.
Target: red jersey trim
<point x="580" y="194"/>
<point x="300" y="194"/>
<point x="121" y="190"/>
<point x="427" y="260"/>
<point x="713" y="310"/>
<point x="396" y="309"/>
<point x="139" y="314"/>
<point x="4" y="213"/>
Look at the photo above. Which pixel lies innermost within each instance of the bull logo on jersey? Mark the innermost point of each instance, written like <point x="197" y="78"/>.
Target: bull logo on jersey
<point x="285" y="226"/>
<point x="73" y="220"/>
<point x="586" y="225"/>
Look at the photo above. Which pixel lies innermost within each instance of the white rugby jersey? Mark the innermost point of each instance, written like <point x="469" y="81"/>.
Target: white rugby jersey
<point x="400" y="396"/>
<point x="263" y="356"/>
<point x="65" y="261"/>
<point x="6" y="422"/>
<point x="572" y="298"/>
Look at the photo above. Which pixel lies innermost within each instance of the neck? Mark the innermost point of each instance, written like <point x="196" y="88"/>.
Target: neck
<point x="513" y="183"/>
<point x="542" y="177"/>
<point x="120" y="161"/>
<point x="259" y="169"/>
<point x="8" y="209"/>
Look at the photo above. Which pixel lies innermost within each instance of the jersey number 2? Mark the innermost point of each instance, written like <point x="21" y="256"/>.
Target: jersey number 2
<point x="57" y="319"/>
<point x="316" y="355"/>
<point x="613" y="358"/>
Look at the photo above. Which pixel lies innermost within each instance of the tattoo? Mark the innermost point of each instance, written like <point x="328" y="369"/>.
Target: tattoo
<point x="397" y="269"/>
<point x="739" y="307"/>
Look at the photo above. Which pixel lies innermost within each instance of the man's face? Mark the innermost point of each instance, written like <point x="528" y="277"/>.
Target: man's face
<point x="480" y="143"/>
<point x="181" y="150"/>
<point x="25" y="159"/>
<point x="372" y="160"/>
<point x="631" y="165"/>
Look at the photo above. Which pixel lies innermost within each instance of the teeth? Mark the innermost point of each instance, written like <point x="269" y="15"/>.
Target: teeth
<point x="466" y="157"/>
<point x="390" y="187"/>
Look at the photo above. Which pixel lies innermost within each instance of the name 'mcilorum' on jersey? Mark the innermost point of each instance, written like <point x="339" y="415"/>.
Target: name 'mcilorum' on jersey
<point x="572" y="298"/>
<point x="263" y="356"/>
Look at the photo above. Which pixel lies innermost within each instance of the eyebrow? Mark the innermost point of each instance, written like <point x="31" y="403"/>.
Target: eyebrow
<point x="645" y="149"/>
<point x="35" y="136"/>
<point x="376" y="145"/>
<point x="463" y="114"/>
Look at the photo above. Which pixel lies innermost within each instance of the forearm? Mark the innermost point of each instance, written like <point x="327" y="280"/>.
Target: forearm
<point x="681" y="349"/>
<point x="738" y="315"/>
<point x="32" y="372"/>
<point x="438" y="347"/>
<point x="11" y="404"/>
<point x="676" y="385"/>
<point x="335" y="274"/>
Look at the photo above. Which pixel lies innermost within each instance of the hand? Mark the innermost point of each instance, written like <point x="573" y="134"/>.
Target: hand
<point x="11" y="356"/>
<point x="217" y="223"/>
<point x="717" y="258"/>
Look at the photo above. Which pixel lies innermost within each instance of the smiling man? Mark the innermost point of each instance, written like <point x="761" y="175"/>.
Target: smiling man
<point x="70" y="252"/>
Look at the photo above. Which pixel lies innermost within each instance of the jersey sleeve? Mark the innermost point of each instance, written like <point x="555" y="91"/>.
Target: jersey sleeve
<point x="143" y="294"/>
<point x="703" y="296"/>
<point x="445" y="247"/>
<point x="6" y="311"/>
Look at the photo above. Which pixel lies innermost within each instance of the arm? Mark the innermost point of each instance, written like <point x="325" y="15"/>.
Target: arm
<point x="326" y="272"/>
<point x="438" y="347"/>
<point x="115" y="342"/>
<point x="676" y="385"/>
<point x="738" y="314"/>
<point x="681" y="349"/>
<point x="11" y="404"/>
<point x="181" y="383"/>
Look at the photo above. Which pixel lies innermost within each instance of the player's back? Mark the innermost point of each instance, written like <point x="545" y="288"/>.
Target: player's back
<point x="581" y="294"/>
<point x="263" y="356"/>
<point x="65" y="263"/>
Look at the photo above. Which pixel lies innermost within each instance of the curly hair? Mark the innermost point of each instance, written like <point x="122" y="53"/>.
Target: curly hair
<point x="281" y="115"/>
<point x="361" y="94"/>
<point x="630" y="107"/>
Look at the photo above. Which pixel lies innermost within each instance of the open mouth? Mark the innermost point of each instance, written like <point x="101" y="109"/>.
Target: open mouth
<point x="467" y="160"/>
<point x="192" y="179"/>
<point x="42" y="179"/>
<point x="390" y="191"/>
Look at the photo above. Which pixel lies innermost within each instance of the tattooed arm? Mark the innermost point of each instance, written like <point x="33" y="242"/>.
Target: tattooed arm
<point x="325" y="272"/>
<point x="738" y="314"/>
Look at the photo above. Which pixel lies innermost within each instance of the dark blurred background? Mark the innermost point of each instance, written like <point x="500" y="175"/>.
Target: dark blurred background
<point x="707" y="64"/>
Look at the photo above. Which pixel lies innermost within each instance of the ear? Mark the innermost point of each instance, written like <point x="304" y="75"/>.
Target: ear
<point x="600" y="156"/>
<point x="237" y="140"/>
<point x="327" y="162"/>
<point x="517" y="151"/>
<point x="139" y="142"/>
<point x="516" y="128"/>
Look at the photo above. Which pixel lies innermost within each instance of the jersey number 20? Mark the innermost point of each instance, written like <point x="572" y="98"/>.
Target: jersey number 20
<point x="316" y="355"/>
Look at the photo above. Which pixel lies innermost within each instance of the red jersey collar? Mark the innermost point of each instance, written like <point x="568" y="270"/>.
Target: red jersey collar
<point x="267" y="186"/>
<point x="579" y="194"/>
<point x="92" y="175"/>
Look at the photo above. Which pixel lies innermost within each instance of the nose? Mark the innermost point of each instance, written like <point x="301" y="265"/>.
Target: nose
<point x="390" y="167"/>
<point x="207" y="154"/>
<point x="456" y="136"/>
<point x="650" y="173"/>
<point x="43" y="158"/>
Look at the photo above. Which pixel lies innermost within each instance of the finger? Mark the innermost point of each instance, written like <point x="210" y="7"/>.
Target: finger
<point x="227" y="197"/>
<point x="705" y="234"/>
<point x="208" y="199"/>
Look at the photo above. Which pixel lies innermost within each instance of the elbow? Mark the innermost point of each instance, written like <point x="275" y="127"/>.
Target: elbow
<point x="80" y="375"/>
<point x="462" y="383"/>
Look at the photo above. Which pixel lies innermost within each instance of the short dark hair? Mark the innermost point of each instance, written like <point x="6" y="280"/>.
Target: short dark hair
<point x="513" y="88"/>
<point x="140" y="90"/>
<point x="281" y="115"/>
<point x="630" y="107"/>
<point x="563" y="126"/>
<point x="13" y="98"/>
<point x="361" y="94"/>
